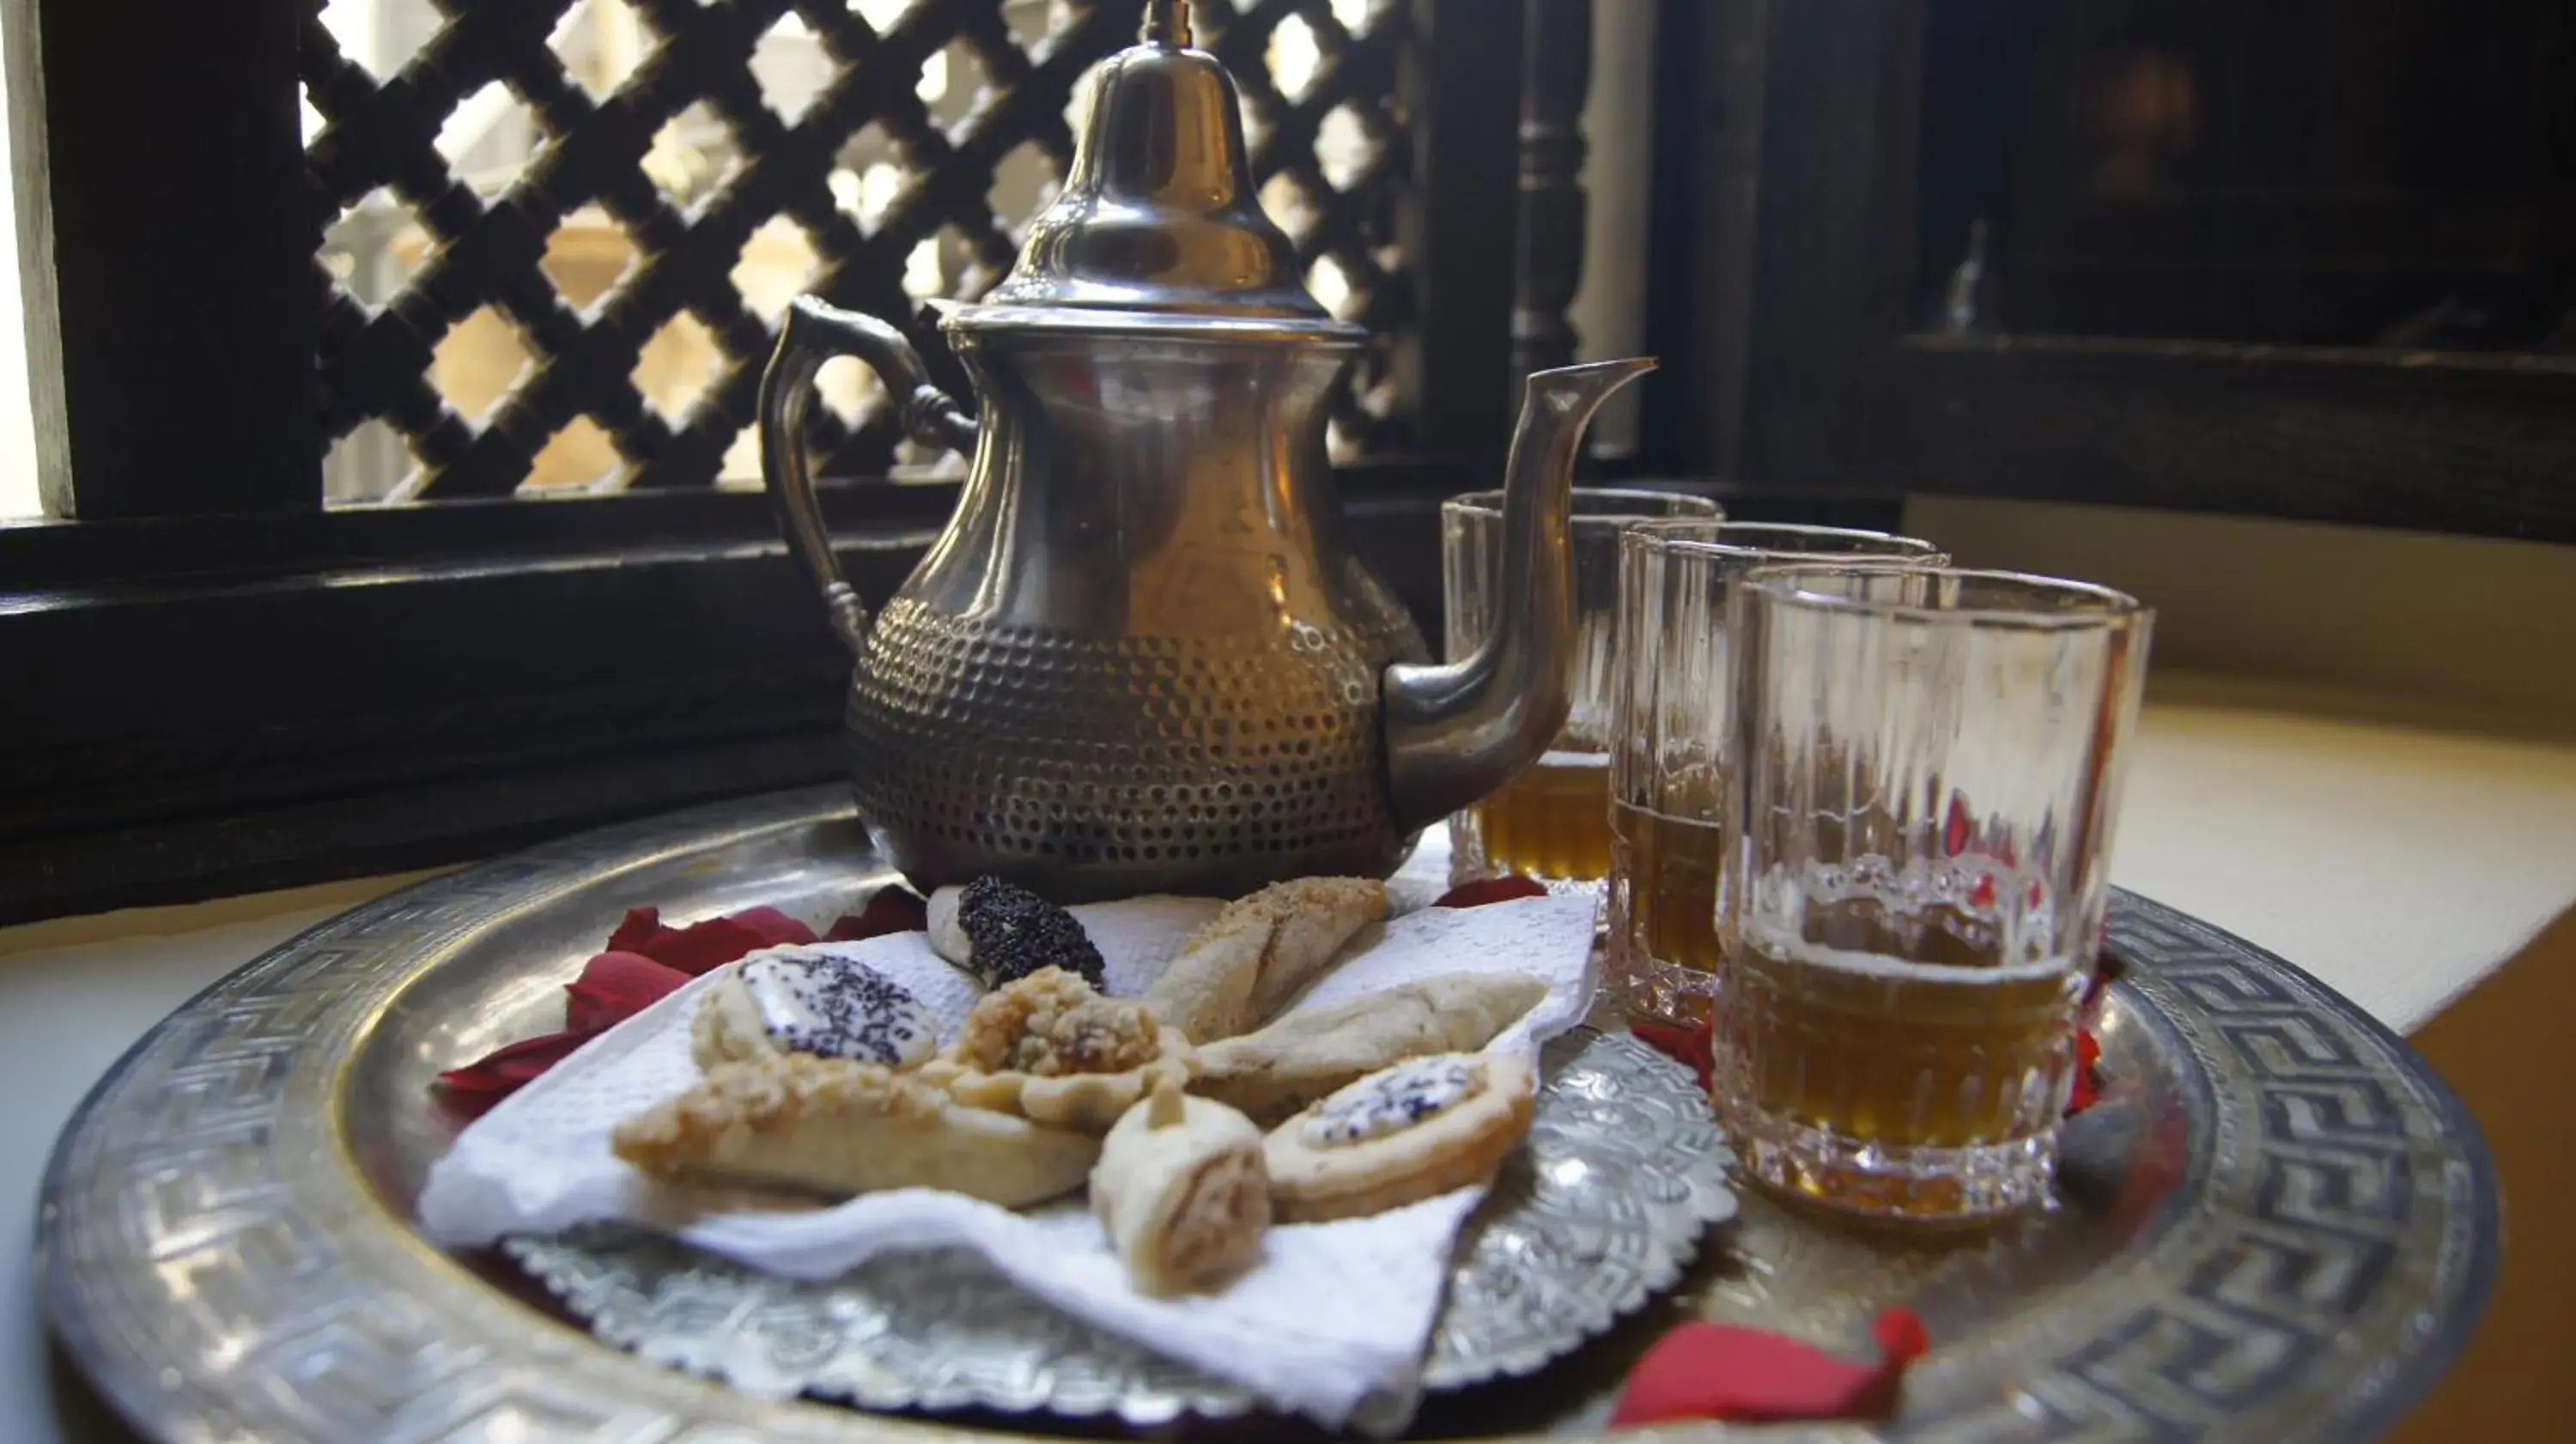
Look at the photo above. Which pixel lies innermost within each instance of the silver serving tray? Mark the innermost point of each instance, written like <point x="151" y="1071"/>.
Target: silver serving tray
<point x="2277" y="1226"/>
<point x="1603" y="1208"/>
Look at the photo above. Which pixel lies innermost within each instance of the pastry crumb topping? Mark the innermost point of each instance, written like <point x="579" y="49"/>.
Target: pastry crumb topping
<point x="767" y="1096"/>
<point x="1280" y="902"/>
<point x="1051" y="1023"/>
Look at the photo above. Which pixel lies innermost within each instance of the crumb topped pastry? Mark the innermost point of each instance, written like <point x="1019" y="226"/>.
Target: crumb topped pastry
<point x="1052" y="1023"/>
<point x="1399" y="1136"/>
<point x="1050" y="1048"/>
<point x="1260" y="952"/>
<point x="1002" y="933"/>
<point x="1182" y="1192"/>
<point x="837" y="1128"/>
<point x="1313" y="1051"/>
<point x="804" y="1000"/>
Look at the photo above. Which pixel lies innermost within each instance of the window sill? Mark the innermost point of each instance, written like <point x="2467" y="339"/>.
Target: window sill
<point x="2399" y="863"/>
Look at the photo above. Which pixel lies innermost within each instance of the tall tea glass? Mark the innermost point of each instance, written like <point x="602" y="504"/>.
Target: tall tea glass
<point x="1670" y="765"/>
<point x="1932" y="770"/>
<point x="1552" y="821"/>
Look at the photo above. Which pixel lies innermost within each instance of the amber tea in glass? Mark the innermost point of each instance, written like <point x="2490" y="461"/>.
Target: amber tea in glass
<point x="1547" y="822"/>
<point x="1903" y="1053"/>
<point x="1666" y="885"/>
<point x="1552" y="822"/>
<point x="1669" y="759"/>
<point x="1931" y="766"/>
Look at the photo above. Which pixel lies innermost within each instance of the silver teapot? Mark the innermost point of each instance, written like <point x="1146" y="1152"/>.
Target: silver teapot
<point x="1142" y="657"/>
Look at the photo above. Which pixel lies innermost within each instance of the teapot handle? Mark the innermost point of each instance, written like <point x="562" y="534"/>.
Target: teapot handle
<point x="814" y="333"/>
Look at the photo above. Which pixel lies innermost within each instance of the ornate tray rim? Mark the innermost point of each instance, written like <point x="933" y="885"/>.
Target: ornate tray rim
<point x="436" y="1347"/>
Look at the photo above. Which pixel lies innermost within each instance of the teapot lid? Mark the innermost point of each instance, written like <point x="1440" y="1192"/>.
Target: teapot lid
<point x="1159" y="214"/>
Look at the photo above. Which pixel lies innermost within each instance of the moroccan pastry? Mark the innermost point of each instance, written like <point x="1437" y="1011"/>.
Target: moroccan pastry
<point x="1181" y="1189"/>
<point x="1052" y="1050"/>
<point x="1399" y="1136"/>
<point x="1253" y="957"/>
<point x="1002" y="933"/>
<point x="838" y="1128"/>
<point x="1313" y="1051"/>
<point x="947" y="937"/>
<point x="804" y="1000"/>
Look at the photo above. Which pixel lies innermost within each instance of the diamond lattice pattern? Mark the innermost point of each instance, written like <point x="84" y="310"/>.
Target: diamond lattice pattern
<point x="557" y="234"/>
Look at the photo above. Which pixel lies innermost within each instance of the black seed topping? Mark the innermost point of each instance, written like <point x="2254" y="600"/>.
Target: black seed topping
<point x="1014" y="932"/>
<point x="837" y="1009"/>
<point x="1394" y="1100"/>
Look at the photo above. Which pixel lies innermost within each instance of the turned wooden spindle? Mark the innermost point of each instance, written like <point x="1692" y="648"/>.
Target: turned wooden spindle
<point x="1556" y="75"/>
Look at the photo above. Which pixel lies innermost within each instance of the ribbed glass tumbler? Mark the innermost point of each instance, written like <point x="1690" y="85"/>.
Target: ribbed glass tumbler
<point x="1551" y="822"/>
<point x="1670" y="760"/>
<point x="1932" y="770"/>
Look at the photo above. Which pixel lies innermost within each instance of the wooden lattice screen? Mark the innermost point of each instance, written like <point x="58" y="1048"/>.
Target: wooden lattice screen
<point x="486" y="257"/>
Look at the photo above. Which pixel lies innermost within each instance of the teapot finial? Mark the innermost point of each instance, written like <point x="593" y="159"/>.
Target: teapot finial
<point x="1167" y="22"/>
<point x="1159" y="214"/>
<point x="1457" y="731"/>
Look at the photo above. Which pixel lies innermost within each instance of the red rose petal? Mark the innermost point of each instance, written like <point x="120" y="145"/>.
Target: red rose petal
<point x="2107" y="970"/>
<point x="1491" y="890"/>
<point x="614" y="987"/>
<point x="774" y="928"/>
<point x="643" y="963"/>
<point x="1670" y="1039"/>
<point x="703" y="947"/>
<point x="638" y="927"/>
<point x="892" y="910"/>
<point x="505" y="1070"/>
<point x="2088" y="1073"/>
<point x="1692" y="1047"/>
<point x="1721" y="1371"/>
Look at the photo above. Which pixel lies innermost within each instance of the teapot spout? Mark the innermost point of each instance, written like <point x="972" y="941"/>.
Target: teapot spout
<point x="1456" y="731"/>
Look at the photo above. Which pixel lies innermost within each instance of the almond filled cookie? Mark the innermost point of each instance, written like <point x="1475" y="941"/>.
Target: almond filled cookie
<point x="1181" y="1190"/>
<point x="1257" y="954"/>
<point x="833" y="1127"/>
<point x="1410" y="1132"/>
<point x="1310" y="1053"/>
<point x="803" y="1000"/>
<point x="1049" y="1048"/>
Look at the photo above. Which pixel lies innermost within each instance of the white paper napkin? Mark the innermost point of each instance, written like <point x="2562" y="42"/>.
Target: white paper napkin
<point x="1332" y="1323"/>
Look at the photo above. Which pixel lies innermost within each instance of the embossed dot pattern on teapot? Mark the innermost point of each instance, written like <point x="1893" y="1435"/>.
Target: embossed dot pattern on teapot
<point x="1128" y="758"/>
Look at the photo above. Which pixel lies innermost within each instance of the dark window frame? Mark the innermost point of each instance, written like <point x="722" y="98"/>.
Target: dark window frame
<point x="1787" y="246"/>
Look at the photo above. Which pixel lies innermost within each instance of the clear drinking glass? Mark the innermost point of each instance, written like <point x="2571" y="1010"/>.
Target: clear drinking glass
<point x="1552" y="821"/>
<point x="1670" y="763"/>
<point x="1932" y="763"/>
